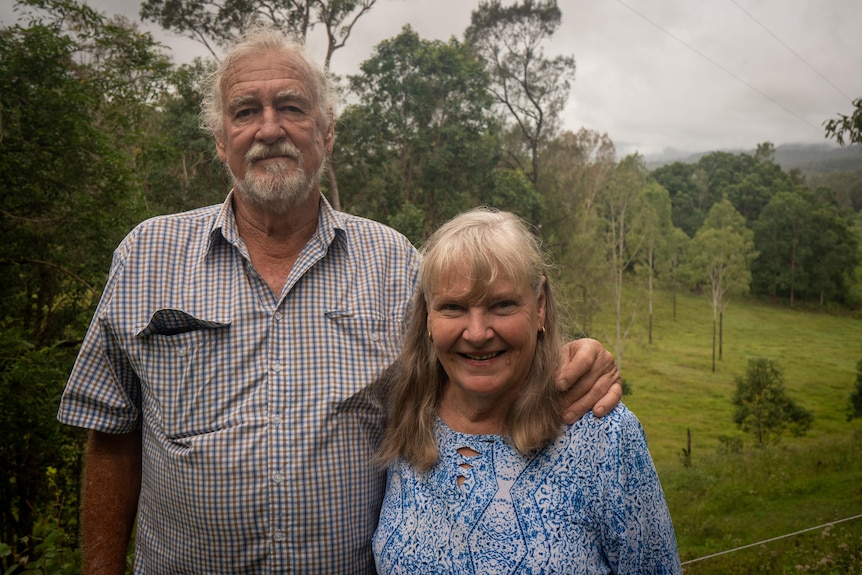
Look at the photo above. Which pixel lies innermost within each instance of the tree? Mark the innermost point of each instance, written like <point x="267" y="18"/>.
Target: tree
<point x="657" y="229"/>
<point x="177" y="160"/>
<point x="762" y="406"/>
<point x="531" y="88"/>
<point x="671" y="269"/>
<point x="847" y="129"/>
<point x="781" y="233"/>
<point x="74" y="88"/>
<point x="689" y="193"/>
<point x="217" y="23"/>
<point x="833" y="254"/>
<point x="420" y="141"/>
<point x="854" y="407"/>
<point x="720" y="256"/>
<point x="579" y="167"/>
<point x="621" y="206"/>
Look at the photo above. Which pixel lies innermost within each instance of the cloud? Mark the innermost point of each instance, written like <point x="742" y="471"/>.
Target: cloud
<point x="657" y="74"/>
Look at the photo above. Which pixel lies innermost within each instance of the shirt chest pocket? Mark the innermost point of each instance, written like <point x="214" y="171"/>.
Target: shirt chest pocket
<point x="182" y="362"/>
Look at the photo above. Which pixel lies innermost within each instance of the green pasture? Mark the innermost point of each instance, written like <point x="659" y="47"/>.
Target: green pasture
<point x="732" y="493"/>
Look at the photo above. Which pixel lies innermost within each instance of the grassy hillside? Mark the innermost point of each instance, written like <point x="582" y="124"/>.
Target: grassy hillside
<point x="730" y="497"/>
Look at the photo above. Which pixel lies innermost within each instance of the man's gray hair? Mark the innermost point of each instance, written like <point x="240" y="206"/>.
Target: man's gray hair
<point x="256" y="39"/>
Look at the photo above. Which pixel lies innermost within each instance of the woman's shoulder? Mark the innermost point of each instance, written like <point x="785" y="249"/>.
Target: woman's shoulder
<point x="591" y="428"/>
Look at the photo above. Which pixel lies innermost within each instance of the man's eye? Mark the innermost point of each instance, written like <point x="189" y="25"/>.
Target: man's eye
<point x="245" y="113"/>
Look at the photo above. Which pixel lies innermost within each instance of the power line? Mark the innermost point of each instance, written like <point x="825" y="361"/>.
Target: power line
<point x="772" y="539"/>
<point x="720" y="67"/>
<point x="791" y="50"/>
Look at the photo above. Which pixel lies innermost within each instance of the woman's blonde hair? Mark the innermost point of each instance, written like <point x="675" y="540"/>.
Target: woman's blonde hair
<point x="491" y="244"/>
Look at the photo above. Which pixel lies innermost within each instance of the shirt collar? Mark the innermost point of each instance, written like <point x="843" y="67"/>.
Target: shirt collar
<point x="330" y="224"/>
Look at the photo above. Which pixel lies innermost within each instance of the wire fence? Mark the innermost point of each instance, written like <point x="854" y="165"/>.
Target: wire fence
<point x="836" y="522"/>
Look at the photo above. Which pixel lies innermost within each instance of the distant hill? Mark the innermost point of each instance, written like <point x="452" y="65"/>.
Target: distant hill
<point x="808" y="158"/>
<point x="819" y="158"/>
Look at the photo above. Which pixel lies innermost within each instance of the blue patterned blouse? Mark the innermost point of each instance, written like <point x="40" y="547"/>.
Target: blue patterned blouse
<point x="590" y="502"/>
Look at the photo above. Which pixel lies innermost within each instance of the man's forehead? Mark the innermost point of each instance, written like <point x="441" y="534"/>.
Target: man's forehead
<point x="258" y="73"/>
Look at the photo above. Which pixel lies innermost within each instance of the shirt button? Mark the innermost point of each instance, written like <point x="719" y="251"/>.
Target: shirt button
<point x="275" y="420"/>
<point x="278" y="315"/>
<point x="375" y="336"/>
<point x="181" y="351"/>
<point x="277" y="477"/>
<point x="278" y="536"/>
<point x="276" y="366"/>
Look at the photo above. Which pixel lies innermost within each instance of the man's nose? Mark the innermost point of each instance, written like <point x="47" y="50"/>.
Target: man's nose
<point x="270" y="129"/>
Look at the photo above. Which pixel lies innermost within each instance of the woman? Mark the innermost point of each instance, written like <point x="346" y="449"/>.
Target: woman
<point x="483" y="477"/>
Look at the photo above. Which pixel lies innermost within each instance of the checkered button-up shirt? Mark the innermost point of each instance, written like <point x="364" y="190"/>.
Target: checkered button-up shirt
<point x="258" y="413"/>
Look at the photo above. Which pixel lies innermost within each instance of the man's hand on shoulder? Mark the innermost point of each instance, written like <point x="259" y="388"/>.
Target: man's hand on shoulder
<point x="589" y="379"/>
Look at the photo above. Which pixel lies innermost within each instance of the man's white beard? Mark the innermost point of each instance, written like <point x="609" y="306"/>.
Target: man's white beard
<point x="283" y="184"/>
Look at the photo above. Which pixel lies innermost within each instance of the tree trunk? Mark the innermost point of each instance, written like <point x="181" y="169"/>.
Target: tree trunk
<point x="334" y="197"/>
<point x="713" y="344"/>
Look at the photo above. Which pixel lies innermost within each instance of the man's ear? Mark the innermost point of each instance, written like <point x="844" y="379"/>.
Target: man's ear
<point x="329" y="138"/>
<point x="220" y="149"/>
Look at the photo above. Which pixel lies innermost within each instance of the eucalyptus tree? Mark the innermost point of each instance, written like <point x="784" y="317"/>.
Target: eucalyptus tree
<point x="578" y="167"/>
<point x="719" y="258"/>
<point x="672" y="267"/>
<point x="657" y="229"/>
<point x="621" y="206"/>
<point x="531" y="88"/>
<point x="846" y="128"/>
<point x="217" y="23"/>
<point x="418" y="145"/>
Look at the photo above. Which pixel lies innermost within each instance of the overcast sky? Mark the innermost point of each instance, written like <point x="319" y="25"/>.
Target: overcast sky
<point x="659" y="74"/>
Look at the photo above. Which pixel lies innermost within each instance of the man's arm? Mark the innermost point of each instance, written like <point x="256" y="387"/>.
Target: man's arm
<point x="590" y="379"/>
<point x="112" y="484"/>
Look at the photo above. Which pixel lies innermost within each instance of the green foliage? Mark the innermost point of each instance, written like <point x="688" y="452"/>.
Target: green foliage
<point x="579" y="166"/>
<point x="41" y="459"/>
<point x="690" y="197"/>
<point x="762" y="406"/>
<point x="177" y="160"/>
<point x="806" y="240"/>
<point x="531" y="88"/>
<point x="75" y="90"/>
<point x="54" y="552"/>
<point x="720" y="255"/>
<point x="847" y="129"/>
<point x="422" y="134"/>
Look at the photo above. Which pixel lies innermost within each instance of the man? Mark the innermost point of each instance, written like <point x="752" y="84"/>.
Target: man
<point x="228" y="375"/>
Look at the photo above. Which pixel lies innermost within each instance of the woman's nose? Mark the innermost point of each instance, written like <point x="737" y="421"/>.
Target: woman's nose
<point x="477" y="330"/>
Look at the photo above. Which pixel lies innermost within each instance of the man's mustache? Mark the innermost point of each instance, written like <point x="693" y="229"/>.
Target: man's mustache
<point x="277" y="150"/>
